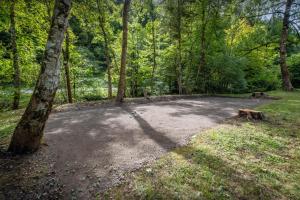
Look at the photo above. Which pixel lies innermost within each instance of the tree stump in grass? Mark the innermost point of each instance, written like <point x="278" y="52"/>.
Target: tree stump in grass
<point x="251" y="114"/>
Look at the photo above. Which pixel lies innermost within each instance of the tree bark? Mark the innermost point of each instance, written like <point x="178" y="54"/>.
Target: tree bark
<point x="154" y="45"/>
<point x="106" y="48"/>
<point x="122" y="79"/>
<point x="179" y="64"/>
<point x="29" y="131"/>
<point x="16" y="75"/>
<point x="202" y="62"/>
<point x="66" y="54"/>
<point x="286" y="82"/>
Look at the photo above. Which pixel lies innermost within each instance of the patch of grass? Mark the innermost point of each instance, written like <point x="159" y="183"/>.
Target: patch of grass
<point x="6" y="99"/>
<point x="287" y="109"/>
<point x="237" y="160"/>
<point x="8" y="122"/>
<point x="243" y="95"/>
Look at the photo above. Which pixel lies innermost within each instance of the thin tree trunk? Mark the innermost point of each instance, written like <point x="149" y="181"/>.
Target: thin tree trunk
<point x="154" y="46"/>
<point x="179" y="67"/>
<point x="202" y="62"/>
<point x="74" y="86"/>
<point x="109" y="82"/>
<point x="154" y="57"/>
<point x="122" y="79"/>
<point x="286" y="82"/>
<point x="66" y="54"/>
<point x="16" y="75"/>
<point x="29" y="131"/>
<point x="106" y="48"/>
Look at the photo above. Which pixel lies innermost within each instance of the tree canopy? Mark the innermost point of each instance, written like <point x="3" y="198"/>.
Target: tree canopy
<point x="174" y="46"/>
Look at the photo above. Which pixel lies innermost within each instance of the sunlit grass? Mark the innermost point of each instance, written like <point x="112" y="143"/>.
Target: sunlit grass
<point x="237" y="160"/>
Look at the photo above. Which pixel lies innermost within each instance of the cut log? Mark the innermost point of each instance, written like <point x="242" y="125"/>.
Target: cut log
<point x="251" y="114"/>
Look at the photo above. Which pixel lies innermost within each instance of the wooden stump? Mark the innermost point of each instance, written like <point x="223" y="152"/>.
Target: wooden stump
<point x="258" y="95"/>
<point x="251" y="114"/>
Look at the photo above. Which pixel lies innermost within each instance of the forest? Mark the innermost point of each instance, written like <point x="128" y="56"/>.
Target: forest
<point x="174" y="47"/>
<point x="80" y="77"/>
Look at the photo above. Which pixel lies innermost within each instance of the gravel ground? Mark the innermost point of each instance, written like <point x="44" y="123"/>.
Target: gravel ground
<point x="89" y="150"/>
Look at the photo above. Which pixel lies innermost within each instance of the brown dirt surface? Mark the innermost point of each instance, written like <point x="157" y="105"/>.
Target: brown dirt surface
<point x="89" y="149"/>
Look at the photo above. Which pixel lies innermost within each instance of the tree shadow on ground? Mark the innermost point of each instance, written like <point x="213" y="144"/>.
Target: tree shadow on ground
<point x="85" y="150"/>
<point x="159" y="137"/>
<point x="225" y="178"/>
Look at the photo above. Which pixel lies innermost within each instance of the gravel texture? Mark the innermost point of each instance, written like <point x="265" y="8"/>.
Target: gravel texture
<point x="91" y="148"/>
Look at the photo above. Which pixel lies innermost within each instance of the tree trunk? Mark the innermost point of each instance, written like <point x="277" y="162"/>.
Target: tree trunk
<point x="29" y="131"/>
<point x="106" y="47"/>
<point x="16" y="75"/>
<point x="154" y="46"/>
<point x="122" y="79"/>
<point x="66" y="54"/>
<point x="179" y="67"/>
<point x="202" y="62"/>
<point x="287" y="85"/>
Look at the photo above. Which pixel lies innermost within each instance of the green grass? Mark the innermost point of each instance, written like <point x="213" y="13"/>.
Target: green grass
<point x="243" y="95"/>
<point x="236" y="160"/>
<point x="8" y="121"/>
<point x="6" y="99"/>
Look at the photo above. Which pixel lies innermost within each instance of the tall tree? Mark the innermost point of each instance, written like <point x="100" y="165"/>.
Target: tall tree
<point x="16" y="75"/>
<point x="202" y="62"/>
<point x="152" y="16"/>
<point x="66" y="54"/>
<point x="287" y="85"/>
<point x="101" y="18"/>
<point x="122" y="79"/>
<point x="179" y="37"/>
<point x="29" y="131"/>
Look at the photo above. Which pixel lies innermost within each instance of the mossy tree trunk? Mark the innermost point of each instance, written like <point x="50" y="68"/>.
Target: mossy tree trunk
<point x="122" y="78"/>
<point x="29" y="131"/>
<point x="286" y="82"/>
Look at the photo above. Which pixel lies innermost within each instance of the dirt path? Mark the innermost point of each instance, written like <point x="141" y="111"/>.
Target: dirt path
<point x="96" y="146"/>
<point x="92" y="149"/>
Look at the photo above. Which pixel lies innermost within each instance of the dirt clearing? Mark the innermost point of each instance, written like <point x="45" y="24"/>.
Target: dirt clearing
<point x="91" y="149"/>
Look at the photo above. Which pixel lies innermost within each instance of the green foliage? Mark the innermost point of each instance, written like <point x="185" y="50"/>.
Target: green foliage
<point x="167" y="39"/>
